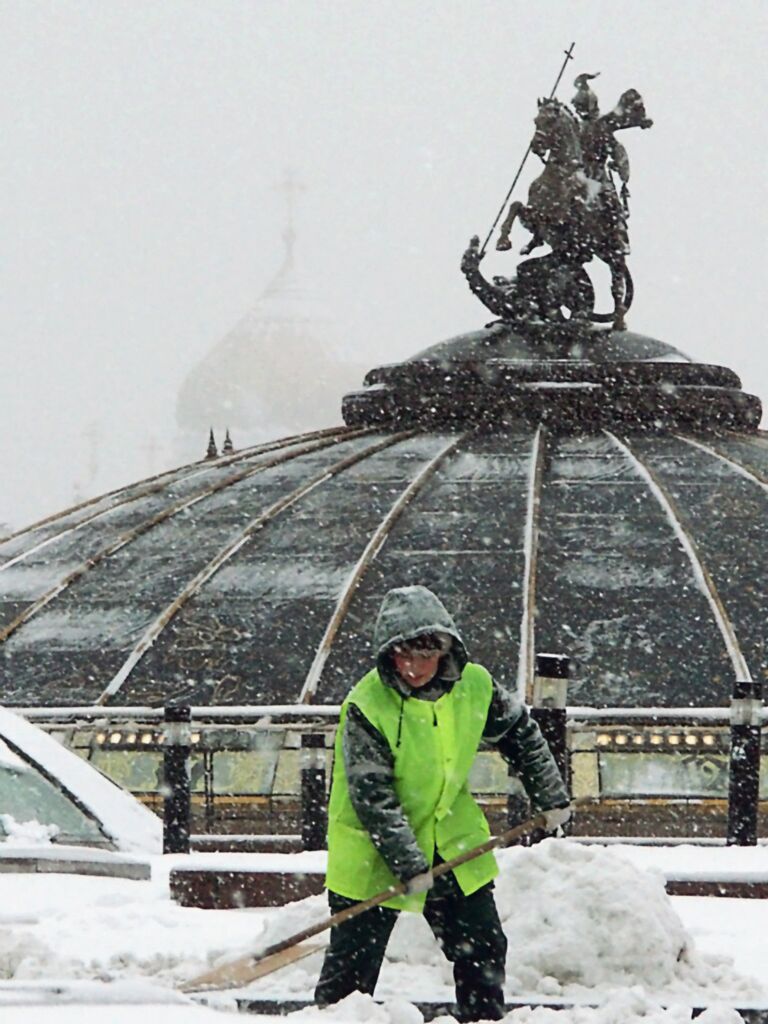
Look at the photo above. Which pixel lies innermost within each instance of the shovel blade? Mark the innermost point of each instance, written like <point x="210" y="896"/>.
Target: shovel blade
<point x="238" y="973"/>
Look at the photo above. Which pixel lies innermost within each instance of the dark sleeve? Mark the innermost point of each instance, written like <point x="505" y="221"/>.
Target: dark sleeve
<point x="371" y="782"/>
<point x="517" y="737"/>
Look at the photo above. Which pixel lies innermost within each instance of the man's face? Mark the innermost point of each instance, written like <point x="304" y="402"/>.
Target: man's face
<point x="416" y="668"/>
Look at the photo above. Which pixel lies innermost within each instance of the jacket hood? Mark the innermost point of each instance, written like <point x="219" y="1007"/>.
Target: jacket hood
<point x="408" y="612"/>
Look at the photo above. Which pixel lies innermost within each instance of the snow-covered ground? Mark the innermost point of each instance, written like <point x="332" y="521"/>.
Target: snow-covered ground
<point x="586" y="925"/>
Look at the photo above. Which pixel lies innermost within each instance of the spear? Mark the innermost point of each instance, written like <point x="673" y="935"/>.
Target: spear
<point x="568" y="56"/>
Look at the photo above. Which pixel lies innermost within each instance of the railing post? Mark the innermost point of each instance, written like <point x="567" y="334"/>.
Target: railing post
<point x="744" y="766"/>
<point x="550" y="695"/>
<point x="176" y="801"/>
<point x="313" y="809"/>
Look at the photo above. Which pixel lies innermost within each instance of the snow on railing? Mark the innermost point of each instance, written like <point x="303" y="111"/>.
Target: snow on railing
<point x="654" y="714"/>
<point x="246" y="712"/>
<point x="530" y="545"/>
<point x="258" y="712"/>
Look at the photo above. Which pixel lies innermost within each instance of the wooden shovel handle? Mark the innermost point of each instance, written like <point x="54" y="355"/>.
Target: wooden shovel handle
<point x="249" y="968"/>
<point x="539" y="821"/>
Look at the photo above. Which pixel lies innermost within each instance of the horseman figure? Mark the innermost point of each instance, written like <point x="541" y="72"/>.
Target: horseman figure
<point x="573" y="207"/>
<point x="602" y="152"/>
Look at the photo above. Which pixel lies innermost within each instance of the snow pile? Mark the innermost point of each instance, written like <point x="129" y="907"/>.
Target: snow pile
<point x="578" y="915"/>
<point x="18" y="947"/>
<point x="630" y="1007"/>
<point x="26" y="833"/>
<point x="584" y="926"/>
<point x="88" y="927"/>
<point x="360" y="1009"/>
<point x="297" y="981"/>
<point x="293" y="918"/>
<point x="579" y="919"/>
<point x="93" y="1007"/>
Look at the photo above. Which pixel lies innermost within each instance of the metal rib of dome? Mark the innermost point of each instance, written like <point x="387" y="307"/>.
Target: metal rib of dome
<point x="603" y="497"/>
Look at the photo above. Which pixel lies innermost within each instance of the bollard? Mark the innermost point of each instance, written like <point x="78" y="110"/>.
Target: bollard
<point x="550" y="692"/>
<point x="744" y="765"/>
<point x="313" y="809"/>
<point x="176" y="801"/>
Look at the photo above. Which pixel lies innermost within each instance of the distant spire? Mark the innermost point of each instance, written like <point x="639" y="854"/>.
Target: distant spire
<point x="93" y="435"/>
<point x="212" y="452"/>
<point x="290" y="186"/>
<point x="150" y="449"/>
<point x="228" y="447"/>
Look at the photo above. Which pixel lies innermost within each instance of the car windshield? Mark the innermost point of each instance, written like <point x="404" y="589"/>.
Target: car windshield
<point x="34" y="811"/>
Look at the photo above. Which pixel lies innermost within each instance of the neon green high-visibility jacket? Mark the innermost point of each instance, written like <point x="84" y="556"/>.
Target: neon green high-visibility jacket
<point x="433" y="746"/>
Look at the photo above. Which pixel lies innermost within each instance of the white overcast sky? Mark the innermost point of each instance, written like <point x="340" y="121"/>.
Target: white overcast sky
<point x="142" y="140"/>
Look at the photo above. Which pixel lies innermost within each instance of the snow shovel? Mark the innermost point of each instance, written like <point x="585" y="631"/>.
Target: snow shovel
<point x="248" y="968"/>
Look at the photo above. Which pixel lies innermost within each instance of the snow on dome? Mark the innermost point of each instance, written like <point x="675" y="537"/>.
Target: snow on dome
<point x="625" y="532"/>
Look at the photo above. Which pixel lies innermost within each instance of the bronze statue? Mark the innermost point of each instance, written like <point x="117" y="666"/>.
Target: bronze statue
<point x="573" y="207"/>
<point x="602" y="152"/>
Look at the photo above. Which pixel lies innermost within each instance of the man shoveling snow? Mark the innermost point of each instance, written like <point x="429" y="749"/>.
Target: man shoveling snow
<point x="400" y="804"/>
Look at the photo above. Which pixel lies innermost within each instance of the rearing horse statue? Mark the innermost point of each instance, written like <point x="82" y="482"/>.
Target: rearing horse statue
<point x="567" y="210"/>
<point x="557" y="197"/>
<point x="573" y="206"/>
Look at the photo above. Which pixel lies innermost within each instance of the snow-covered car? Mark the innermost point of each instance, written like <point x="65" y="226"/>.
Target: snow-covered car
<point x="58" y="813"/>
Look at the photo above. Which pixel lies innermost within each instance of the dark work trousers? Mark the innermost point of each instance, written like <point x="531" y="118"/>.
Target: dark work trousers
<point x="469" y="932"/>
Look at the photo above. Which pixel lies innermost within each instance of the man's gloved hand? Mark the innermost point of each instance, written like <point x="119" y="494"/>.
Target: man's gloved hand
<point x="555" y="817"/>
<point x="419" y="883"/>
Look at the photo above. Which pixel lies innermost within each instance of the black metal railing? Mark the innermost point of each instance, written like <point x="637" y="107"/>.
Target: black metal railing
<point x="180" y="733"/>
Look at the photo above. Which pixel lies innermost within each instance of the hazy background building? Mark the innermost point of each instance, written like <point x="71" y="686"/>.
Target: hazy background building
<point x="280" y="370"/>
<point x="141" y="223"/>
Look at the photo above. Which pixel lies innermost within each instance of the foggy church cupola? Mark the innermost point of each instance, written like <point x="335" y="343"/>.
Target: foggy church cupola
<point x="279" y="370"/>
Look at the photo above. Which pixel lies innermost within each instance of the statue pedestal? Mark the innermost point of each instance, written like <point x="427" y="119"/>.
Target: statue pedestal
<point x="572" y="375"/>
